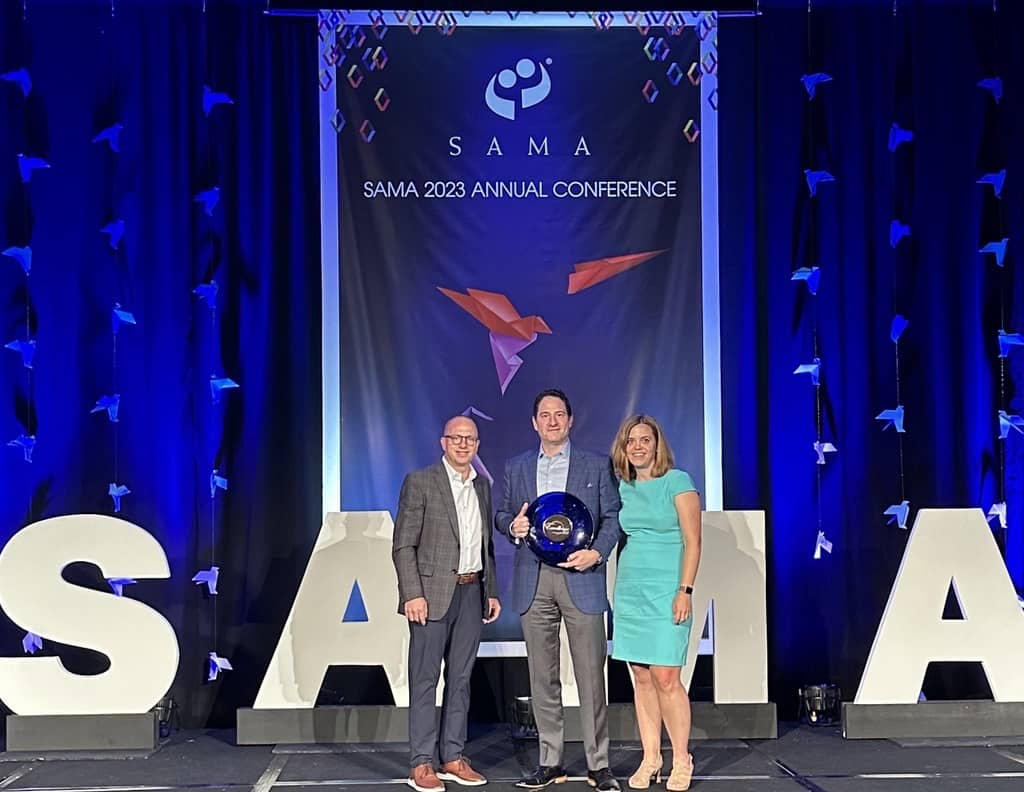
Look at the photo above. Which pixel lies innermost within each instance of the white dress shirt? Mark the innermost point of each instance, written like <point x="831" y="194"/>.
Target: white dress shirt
<point x="467" y="507"/>
<point x="553" y="471"/>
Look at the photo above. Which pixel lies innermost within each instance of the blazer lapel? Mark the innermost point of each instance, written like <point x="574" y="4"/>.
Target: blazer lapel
<point x="531" y="479"/>
<point x="446" y="497"/>
<point x="574" y="482"/>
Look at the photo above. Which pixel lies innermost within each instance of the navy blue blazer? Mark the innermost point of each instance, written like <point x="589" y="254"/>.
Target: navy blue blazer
<point x="592" y="481"/>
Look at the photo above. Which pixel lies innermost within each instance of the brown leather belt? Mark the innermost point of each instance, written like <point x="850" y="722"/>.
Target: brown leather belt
<point x="469" y="577"/>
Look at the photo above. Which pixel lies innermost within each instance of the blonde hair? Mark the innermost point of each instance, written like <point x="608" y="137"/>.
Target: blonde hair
<point x="663" y="459"/>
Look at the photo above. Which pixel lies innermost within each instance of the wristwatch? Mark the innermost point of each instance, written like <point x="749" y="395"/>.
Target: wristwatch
<point x="686" y="589"/>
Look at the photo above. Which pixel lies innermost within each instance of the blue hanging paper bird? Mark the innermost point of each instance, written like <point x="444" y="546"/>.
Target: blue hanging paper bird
<point x="217" y="482"/>
<point x="209" y="199"/>
<point x="899" y="324"/>
<point x="809" y="275"/>
<point x="212" y="98"/>
<point x="821" y="544"/>
<point x="898" y="514"/>
<point x="892" y="417"/>
<point x="115" y="228"/>
<point x="28" y="164"/>
<point x="812" y="81"/>
<point x="31" y="643"/>
<point x="813" y="368"/>
<point x="208" y="578"/>
<point x="816" y="177"/>
<point x="27" y="350"/>
<point x="998" y="510"/>
<point x="997" y="180"/>
<point x="994" y="85"/>
<point x="898" y="136"/>
<point x="21" y="78"/>
<point x="23" y="255"/>
<point x="109" y="403"/>
<point x="216" y="665"/>
<point x="119" y="317"/>
<point x="112" y="136"/>
<point x="998" y="249"/>
<point x="208" y="293"/>
<point x="26" y="443"/>
<point x="897" y="231"/>
<point x="823" y="448"/>
<point x="1008" y="421"/>
<point x="116" y="492"/>
<point x="117" y="585"/>
<point x="217" y="384"/>
<point x="1007" y="340"/>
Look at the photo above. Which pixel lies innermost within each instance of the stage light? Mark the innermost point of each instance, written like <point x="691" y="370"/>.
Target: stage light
<point x="819" y="704"/>
<point x="524" y="727"/>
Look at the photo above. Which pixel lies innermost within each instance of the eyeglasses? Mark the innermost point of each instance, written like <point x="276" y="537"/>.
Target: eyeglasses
<point x="466" y="440"/>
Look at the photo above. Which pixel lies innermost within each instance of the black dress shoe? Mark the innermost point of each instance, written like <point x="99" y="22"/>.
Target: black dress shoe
<point x="602" y="779"/>
<point x="543" y="776"/>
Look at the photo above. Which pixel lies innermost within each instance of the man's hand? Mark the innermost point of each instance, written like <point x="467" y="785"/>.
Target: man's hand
<point x="581" y="560"/>
<point x="520" y="525"/>
<point x="493" y="610"/>
<point x="416" y="610"/>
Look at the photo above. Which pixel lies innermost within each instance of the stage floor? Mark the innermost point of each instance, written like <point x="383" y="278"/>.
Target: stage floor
<point x="801" y="759"/>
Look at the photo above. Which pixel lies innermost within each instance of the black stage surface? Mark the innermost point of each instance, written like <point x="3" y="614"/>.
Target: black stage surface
<point x="803" y="758"/>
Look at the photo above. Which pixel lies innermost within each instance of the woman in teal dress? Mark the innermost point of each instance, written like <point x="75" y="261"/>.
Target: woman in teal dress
<point x="653" y="585"/>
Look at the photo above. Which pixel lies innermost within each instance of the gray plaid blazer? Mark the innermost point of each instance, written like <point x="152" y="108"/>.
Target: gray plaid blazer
<point x="425" y="548"/>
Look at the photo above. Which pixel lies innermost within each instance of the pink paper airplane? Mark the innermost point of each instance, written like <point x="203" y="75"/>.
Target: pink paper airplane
<point x="590" y="273"/>
<point x="510" y="333"/>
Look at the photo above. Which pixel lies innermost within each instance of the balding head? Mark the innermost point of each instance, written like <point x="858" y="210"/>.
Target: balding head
<point x="460" y="441"/>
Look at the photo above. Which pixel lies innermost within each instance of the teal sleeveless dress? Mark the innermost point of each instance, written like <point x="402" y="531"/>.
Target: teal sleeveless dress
<point x="647" y="578"/>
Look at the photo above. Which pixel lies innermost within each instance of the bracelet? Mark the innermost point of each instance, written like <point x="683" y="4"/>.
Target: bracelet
<point x="686" y="589"/>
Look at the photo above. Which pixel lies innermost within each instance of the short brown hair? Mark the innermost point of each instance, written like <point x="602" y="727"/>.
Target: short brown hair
<point x="664" y="461"/>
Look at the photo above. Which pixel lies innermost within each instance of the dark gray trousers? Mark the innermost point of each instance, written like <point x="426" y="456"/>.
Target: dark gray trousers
<point x="454" y="638"/>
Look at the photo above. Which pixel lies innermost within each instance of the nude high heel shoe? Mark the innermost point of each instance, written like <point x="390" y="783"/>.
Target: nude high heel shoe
<point x="646" y="773"/>
<point x="679" y="778"/>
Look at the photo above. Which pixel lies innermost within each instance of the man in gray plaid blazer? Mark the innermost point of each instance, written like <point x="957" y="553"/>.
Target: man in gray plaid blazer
<point x="447" y="589"/>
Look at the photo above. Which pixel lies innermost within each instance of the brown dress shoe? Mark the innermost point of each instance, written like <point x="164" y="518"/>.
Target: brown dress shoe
<point x="460" y="772"/>
<point x="424" y="779"/>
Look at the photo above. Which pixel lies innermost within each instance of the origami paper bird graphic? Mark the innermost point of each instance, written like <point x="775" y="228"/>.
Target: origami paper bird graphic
<point x="209" y="199"/>
<point x="207" y="292"/>
<point x="809" y="275"/>
<point x="473" y="412"/>
<point x="813" y="368"/>
<point x="897" y="231"/>
<point x="112" y="136"/>
<point x="208" y="578"/>
<point x="477" y="462"/>
<point x="115" y="228"/>
<point x="21" y="78"/>
<point x="28" y="164"/>
<point x="26" y="443"/>
<point x="899" y="324"/>
<point x="590" y="273"/>
<point x="1007" y="340"/>
<point x="821" y="543"/>
<point x="23" y="255"/>
<point x="898" y="136"/>
<point x="812" y="81"/>
<point x="998" y="249"/>
<point x="216" y="665"/>
<point x="212" y="98"/>
<point x="898" y="513"/>
<point x="823" y="448"/>
<point x="816" y="177"/>
<point x="31" y="643"/>
<point x="116" y="492"/>
<point x="892" y="417"/>
<point x="994" y="85"/>
<point x="119" y="317"/>
<point x="510" y="333"/>
<point x="1008" y="421"/>
<point x="997" y="180"/>
<point x="109" y="403"/>
<point x="217" y="482"/>
<point x="27" y="350"/>
<point x="118" y="584"/>
<point x="998" y="510"/>
<point x="218" y="384"/>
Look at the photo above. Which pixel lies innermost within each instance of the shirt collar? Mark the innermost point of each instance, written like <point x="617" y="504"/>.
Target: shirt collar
<point x="565" y="452"/>
<point x="454" y="475"/>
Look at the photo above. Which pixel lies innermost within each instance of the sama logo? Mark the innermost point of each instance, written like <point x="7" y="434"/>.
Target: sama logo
<point x="523" y="97"/>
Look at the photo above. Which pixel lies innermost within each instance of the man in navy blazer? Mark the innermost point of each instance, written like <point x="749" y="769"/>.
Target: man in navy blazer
<point x="574" y="592"/>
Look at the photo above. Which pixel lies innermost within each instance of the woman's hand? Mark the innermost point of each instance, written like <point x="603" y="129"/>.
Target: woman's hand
<point x="682" y="606"/>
